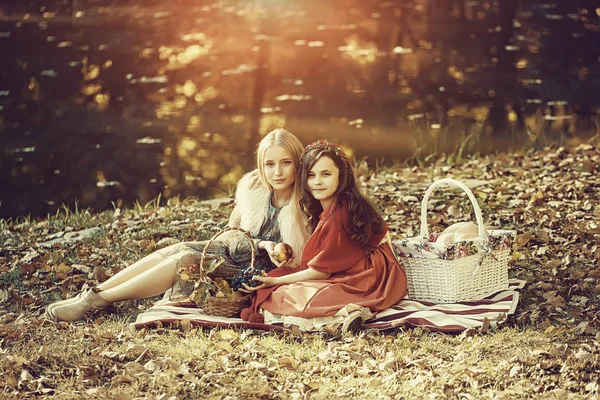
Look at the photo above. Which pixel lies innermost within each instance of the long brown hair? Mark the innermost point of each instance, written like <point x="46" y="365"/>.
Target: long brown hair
<point x="364" y="220"/>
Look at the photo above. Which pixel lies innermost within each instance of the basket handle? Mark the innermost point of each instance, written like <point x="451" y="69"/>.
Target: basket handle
<point x="212" y="239"/>
<point x="451" y="182"/>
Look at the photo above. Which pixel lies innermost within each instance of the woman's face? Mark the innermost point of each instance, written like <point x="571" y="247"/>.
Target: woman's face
<point x="279" y="168"/>
<point x="324" y="180"/>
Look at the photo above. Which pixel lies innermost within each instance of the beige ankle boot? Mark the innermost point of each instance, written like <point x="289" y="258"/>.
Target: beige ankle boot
<point x="59" y="303"/>
<point x="78" y="308"/>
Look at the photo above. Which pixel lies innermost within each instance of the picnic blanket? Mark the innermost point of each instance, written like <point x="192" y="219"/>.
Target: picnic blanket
<point x="448" y="318"/>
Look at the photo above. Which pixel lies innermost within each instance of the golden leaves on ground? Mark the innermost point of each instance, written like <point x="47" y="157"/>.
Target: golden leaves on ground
<point x="549" y="349"/>
<point x="548" y="197"/>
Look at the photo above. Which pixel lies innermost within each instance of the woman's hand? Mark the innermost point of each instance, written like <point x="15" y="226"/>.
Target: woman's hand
<point x="269" y="247"/>
<point x="267" y="281"/>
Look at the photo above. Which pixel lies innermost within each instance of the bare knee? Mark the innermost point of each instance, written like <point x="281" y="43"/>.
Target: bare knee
<point x="172" y="249"/>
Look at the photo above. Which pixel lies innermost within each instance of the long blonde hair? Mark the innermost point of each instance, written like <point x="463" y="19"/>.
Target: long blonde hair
<point x="292" y="146"/>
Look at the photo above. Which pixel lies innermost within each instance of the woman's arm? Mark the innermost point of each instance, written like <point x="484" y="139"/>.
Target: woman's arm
<point x="300" y="276"/>
<point x="304" y="275"/>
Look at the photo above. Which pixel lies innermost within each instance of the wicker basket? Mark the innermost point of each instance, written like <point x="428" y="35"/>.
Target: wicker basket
<point x="434" y="276"/>
<point x="219" y="306"/>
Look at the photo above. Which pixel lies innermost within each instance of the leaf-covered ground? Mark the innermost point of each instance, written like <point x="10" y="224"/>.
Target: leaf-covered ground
<point x="548" y="349"/>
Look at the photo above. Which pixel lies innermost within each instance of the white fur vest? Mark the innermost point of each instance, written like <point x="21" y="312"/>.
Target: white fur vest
<point x="250" y="211"/>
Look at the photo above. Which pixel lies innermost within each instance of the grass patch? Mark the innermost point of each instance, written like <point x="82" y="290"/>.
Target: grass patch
<point x="107" y="358"/>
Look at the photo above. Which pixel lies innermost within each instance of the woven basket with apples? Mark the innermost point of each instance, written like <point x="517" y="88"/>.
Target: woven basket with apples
<point x="223" y="297"/>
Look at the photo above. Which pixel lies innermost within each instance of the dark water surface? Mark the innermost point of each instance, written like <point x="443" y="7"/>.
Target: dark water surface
<point x="103" y="101"/>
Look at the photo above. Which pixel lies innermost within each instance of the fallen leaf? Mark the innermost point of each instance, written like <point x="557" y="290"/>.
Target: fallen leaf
<point x="62" y="268"/>
<point x="288" y="363"/>
<point x="557" y="301"/>
<point x="100" y="274"/>
<point x="224" y="346"/>
<point x="228" y="335"/>
<point x="523" y="239"/>
<point x="552" y="264"/>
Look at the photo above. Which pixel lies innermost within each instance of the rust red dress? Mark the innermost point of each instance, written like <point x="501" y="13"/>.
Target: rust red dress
<point x="369" y="278"/>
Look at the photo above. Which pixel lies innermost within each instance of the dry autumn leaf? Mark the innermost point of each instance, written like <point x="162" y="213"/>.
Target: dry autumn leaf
<point x="62" y="268"/>
<point x="288" y="363"/>
<point x="552" y="264"/>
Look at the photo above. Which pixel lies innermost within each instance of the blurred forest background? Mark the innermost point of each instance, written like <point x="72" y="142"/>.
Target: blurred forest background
<point x="105" y="100"/>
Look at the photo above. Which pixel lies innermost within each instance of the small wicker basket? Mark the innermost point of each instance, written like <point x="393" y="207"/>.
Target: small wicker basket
<point x="219" y="306"/>
<point x="432" y="276"/>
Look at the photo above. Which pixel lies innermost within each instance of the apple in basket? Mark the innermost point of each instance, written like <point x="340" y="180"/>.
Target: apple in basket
<point x="283" y="252"/>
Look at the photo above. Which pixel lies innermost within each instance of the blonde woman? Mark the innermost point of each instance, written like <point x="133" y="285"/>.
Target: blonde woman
<point x="266" y="206"/>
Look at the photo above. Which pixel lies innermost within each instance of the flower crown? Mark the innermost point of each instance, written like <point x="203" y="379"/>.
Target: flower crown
<point x="328" y="146"/>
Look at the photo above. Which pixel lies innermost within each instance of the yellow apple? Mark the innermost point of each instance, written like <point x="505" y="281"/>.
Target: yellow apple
<point x="284" y="252"/>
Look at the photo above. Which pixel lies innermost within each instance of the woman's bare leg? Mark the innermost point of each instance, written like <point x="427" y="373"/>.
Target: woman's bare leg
<point x="132" y="271"/>
<point x="150" y="282"/>
<point x="150" y="276"/>
<point x="139" y="267"/>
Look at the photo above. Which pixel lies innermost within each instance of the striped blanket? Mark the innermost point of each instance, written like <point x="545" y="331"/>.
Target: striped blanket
<point x="448" y="318"/>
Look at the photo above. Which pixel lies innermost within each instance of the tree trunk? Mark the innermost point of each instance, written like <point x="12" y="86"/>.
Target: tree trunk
<point x="504" y="84"/>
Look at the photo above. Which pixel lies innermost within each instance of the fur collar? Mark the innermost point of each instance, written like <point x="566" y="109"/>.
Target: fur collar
<point x="252" y="205"/>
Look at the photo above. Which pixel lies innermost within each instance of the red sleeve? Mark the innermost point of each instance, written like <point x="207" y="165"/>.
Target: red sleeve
<point x="329" y="249"/>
